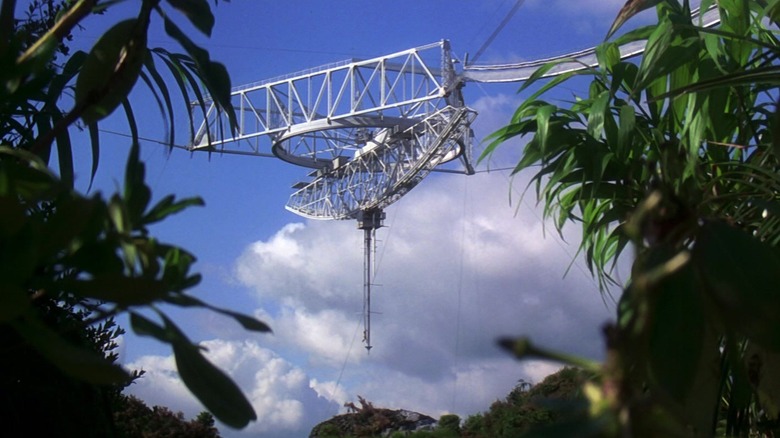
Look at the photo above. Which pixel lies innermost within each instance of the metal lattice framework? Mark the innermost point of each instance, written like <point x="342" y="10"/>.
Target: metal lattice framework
<point x="386" y="167"/>
<point x="570" y="62"/>
<point x="372" y="129"/>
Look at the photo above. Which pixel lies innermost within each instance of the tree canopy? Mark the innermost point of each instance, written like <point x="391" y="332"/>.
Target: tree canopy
<point x="674" y="155"/>
<point x="61" y="246"/>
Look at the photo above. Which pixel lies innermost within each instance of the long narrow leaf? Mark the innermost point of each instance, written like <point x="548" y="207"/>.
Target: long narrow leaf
<point x="64" y="153"/>
<point x="163" y="88"/>
<point x="179" y="77"/>
<point x="218" y="393"/>
<point x="248" y="322"/>
<point x="94" y="140"/>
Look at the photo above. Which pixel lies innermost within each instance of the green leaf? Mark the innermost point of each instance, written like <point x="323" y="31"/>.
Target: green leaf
<point x="167" y="116"/>
<point x="742" y="274"/>
<point x="94" y="141"/>
<point x="111" y="70"/>
<point x="38" y="57"/>
<point x="137" y="194"/>
<point x="542" y="124"/>
<point x="130" y="120"/>
<point x="631" y="8"/>
<point x="168" y="206"/>
<point x="248" y="322"/>
<point x="608" y="55"/>
<point x="78" y="362"/>
<point x="43" y="122"/>
<point x="541" y="72"/>
<point x="597" y="114"/>
<point x="64" y="153"/>
<point x="666" y="51"/>
<point x="218" y="393"/>
<point x="117" y="288"/>
<point x="676" y="333"/>
<point x="213" y="74"/>
<point x="177" y="71"/>
<point x="769" y="75"/>
<point x="773" y="11"/>
<point x="152" y="69"/>
<point x="198" y="12"/>
<point x="555" y="81"/>
<point x="143" y="326"/>
<point x="627" y="118"/>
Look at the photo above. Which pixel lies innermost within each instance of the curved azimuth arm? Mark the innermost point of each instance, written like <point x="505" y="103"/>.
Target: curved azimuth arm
<point x="390" y="164"/>
<point x="522" y="71"/>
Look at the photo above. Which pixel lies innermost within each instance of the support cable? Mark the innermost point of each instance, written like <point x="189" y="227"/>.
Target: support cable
<point x="460" y="292"/>
<point x="498" y="30"/>
<point x="344" y="363"/>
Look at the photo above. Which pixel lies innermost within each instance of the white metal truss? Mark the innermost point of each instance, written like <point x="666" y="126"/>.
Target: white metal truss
<point x="312" y="117"/>
<point x="570" y="62"/>
<point x="386" y="167"/>
<point x="371" y="129"/>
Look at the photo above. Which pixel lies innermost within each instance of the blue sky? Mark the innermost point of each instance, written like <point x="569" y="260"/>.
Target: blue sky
<point x="458" y="263"/>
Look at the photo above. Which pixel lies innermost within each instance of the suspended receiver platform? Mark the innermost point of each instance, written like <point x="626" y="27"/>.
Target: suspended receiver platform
<point x="371" y="130"/>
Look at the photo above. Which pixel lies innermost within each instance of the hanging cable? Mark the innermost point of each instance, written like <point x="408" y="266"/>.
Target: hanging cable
<point x="344" y="364"/>
<point x="498" y="30"/>
<point x="460" y="291"/>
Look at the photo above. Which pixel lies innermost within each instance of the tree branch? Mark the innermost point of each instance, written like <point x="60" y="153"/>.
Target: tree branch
<point x="61" y="28"/>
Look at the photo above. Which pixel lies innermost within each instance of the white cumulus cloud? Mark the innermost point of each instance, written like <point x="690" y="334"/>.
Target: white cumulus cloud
<point x="281" y="393"/>
<point x="457" y="268"/>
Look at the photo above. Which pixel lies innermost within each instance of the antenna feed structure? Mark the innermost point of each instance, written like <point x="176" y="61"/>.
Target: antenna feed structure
<point x="368" y="131"/>
<point x="370" y="220"/>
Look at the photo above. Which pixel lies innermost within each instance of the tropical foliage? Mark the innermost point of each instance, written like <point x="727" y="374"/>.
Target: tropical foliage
<point x="677" y="155"/>
<point x="61" y="246"/>
<point x="132" y="418"/>
<point x="35" y="394"/>
<point x="528" y="409"/>
<point x="539" y="410"/>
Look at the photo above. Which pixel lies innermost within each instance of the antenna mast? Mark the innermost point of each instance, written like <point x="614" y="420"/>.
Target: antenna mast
<point x="368" y="221"/>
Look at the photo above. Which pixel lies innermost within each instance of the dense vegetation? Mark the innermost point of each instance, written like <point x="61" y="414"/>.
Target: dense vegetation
<point x="132" y="418"/>
<point x="676" y="156"/>
<point x="533" y="410"/>
<point x="71" y="262"/>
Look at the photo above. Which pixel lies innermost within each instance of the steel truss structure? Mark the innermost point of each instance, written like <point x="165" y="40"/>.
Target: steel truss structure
<point x="570" y="62"/>
<point x="371" y="129"/>
<point x="386" y="167"/>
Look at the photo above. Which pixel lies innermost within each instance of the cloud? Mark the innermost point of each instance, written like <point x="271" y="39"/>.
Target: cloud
<point x="457" y="267"/>
<point x="281" y="393"/>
